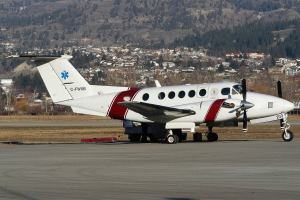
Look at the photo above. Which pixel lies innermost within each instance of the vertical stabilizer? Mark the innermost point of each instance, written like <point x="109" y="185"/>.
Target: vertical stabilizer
<point x="63" y="81"/>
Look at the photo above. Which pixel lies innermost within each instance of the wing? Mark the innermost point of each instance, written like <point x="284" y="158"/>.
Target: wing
<point x="156" y="112"/>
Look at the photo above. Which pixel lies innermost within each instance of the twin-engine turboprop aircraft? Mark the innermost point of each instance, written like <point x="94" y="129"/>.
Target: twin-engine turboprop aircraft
<point x="163" y="112"/>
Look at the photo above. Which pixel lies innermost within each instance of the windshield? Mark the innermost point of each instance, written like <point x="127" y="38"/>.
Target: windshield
<point x="237" y="89"/>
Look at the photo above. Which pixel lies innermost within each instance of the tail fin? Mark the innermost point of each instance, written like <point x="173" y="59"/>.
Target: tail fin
<point x="63" y="81"/>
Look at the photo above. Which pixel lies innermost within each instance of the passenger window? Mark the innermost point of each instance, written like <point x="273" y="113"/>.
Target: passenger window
<point x="225" y="91"/>
<point x="181" y="94"/>
<point x="192" y="93"/>
<point x="161" y="95"/>
<point x="145" y="96"/>
<point x="171" y="95"/>
<point x="202" y="92"/>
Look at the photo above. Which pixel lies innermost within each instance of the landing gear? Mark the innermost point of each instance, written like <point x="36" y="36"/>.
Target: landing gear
<point x="144" y="133"/>
<point x="197" y="137"/>
<point x="211" y="136"/>
<point x="287" y="135"/>
<point x="181" y="136"/>
<point x="135" y="137"/>
<point x="171" y="138"/>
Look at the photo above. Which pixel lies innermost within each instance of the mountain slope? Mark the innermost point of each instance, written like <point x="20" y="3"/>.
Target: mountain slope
<point x="50" y="23"/>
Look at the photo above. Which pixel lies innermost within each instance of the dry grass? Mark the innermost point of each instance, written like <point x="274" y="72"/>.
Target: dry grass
<point x="57" y="134"/>
<point x="51" y="117"/>
<point x="74" y="134"/>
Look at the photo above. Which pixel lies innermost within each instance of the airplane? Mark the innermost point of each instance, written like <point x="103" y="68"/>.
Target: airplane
<point x="163" y="112"/>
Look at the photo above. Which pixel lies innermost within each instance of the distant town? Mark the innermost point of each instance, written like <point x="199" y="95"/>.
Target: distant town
<point x="23" y="91"/>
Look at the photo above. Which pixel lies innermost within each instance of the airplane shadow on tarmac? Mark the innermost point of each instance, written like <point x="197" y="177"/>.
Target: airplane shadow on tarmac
<point x="186" y="142"/>
<point x="139" y="143"/>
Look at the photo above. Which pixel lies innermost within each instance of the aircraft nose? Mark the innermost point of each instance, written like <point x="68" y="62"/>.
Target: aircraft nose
<point x="287" y="105"/>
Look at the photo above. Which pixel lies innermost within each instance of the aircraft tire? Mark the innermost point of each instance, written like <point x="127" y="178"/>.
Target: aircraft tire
<point x="212" y="137"/>
<point x="153" y="139"/>
<point x="181" y="136"/>
<point x="197" y="137"/>
<point x="134" y="137"/>
<point x="287" y="136"/>
<point x="144" y="139"/>
<point x="172" y="139"/>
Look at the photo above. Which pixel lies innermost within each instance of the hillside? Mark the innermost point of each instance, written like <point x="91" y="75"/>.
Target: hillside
<point x="53" y="23"/>
<point x="280" y="39"/>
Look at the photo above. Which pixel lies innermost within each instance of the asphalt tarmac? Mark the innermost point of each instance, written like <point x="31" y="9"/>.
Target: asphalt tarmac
<point x="185" y="171"/>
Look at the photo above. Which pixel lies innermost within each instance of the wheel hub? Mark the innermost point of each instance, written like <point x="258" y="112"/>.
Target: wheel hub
<point x="171" y="139"/>
<point x="287" y="135"/>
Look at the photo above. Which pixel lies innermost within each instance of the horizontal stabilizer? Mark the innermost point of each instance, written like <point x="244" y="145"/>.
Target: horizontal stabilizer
<point x="38" y="59"/>
<point x="87" y="112"/>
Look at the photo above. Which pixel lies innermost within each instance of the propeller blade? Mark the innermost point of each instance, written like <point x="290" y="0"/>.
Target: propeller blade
<point x="279" y="89"/>
<point x="244" y="91"/>
<point x="281" y="124"/>
<point x="245" y="122"/>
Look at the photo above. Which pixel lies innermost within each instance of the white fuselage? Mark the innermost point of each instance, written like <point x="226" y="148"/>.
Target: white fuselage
<point x="205" y="99"/>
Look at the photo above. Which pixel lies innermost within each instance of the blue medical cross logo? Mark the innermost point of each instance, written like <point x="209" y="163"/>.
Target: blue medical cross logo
<point x="64" y="74"/>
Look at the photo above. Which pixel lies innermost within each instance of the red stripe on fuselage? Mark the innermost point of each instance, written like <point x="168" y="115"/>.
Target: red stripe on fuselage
<point x="213" y="110"/>
<point x="117" y="111"/>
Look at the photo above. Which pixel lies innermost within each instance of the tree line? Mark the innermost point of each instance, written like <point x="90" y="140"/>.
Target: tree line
<point x="257" y="37"/>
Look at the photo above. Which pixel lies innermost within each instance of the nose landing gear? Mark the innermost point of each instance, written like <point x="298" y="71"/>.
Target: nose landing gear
<point x="287" y="135"/>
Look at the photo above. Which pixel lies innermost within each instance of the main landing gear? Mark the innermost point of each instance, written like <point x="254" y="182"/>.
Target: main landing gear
<point x="211" y="136"/>
<point x="172" y="139"/>
<point x="174" y="136"/>
<point x="287" y="135"/>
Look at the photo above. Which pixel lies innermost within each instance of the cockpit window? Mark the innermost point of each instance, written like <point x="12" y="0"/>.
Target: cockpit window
<point x="237" y="89"/>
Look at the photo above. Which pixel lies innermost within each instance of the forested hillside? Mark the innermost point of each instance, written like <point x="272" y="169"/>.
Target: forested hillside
<point x="150" y="23"/>
<point x="277" y="38"/>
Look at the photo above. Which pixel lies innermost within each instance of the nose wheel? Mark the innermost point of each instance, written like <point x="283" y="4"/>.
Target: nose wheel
<point x="287" y="135"/>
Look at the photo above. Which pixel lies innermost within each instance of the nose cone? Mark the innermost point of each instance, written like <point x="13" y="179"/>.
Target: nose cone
<point x="287" y="105"/>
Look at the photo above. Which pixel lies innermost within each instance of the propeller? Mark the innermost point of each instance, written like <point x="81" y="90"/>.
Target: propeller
<point x="244" y="102"/>
<point x="279" y="90"/>
<point x="244" y="106"/>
